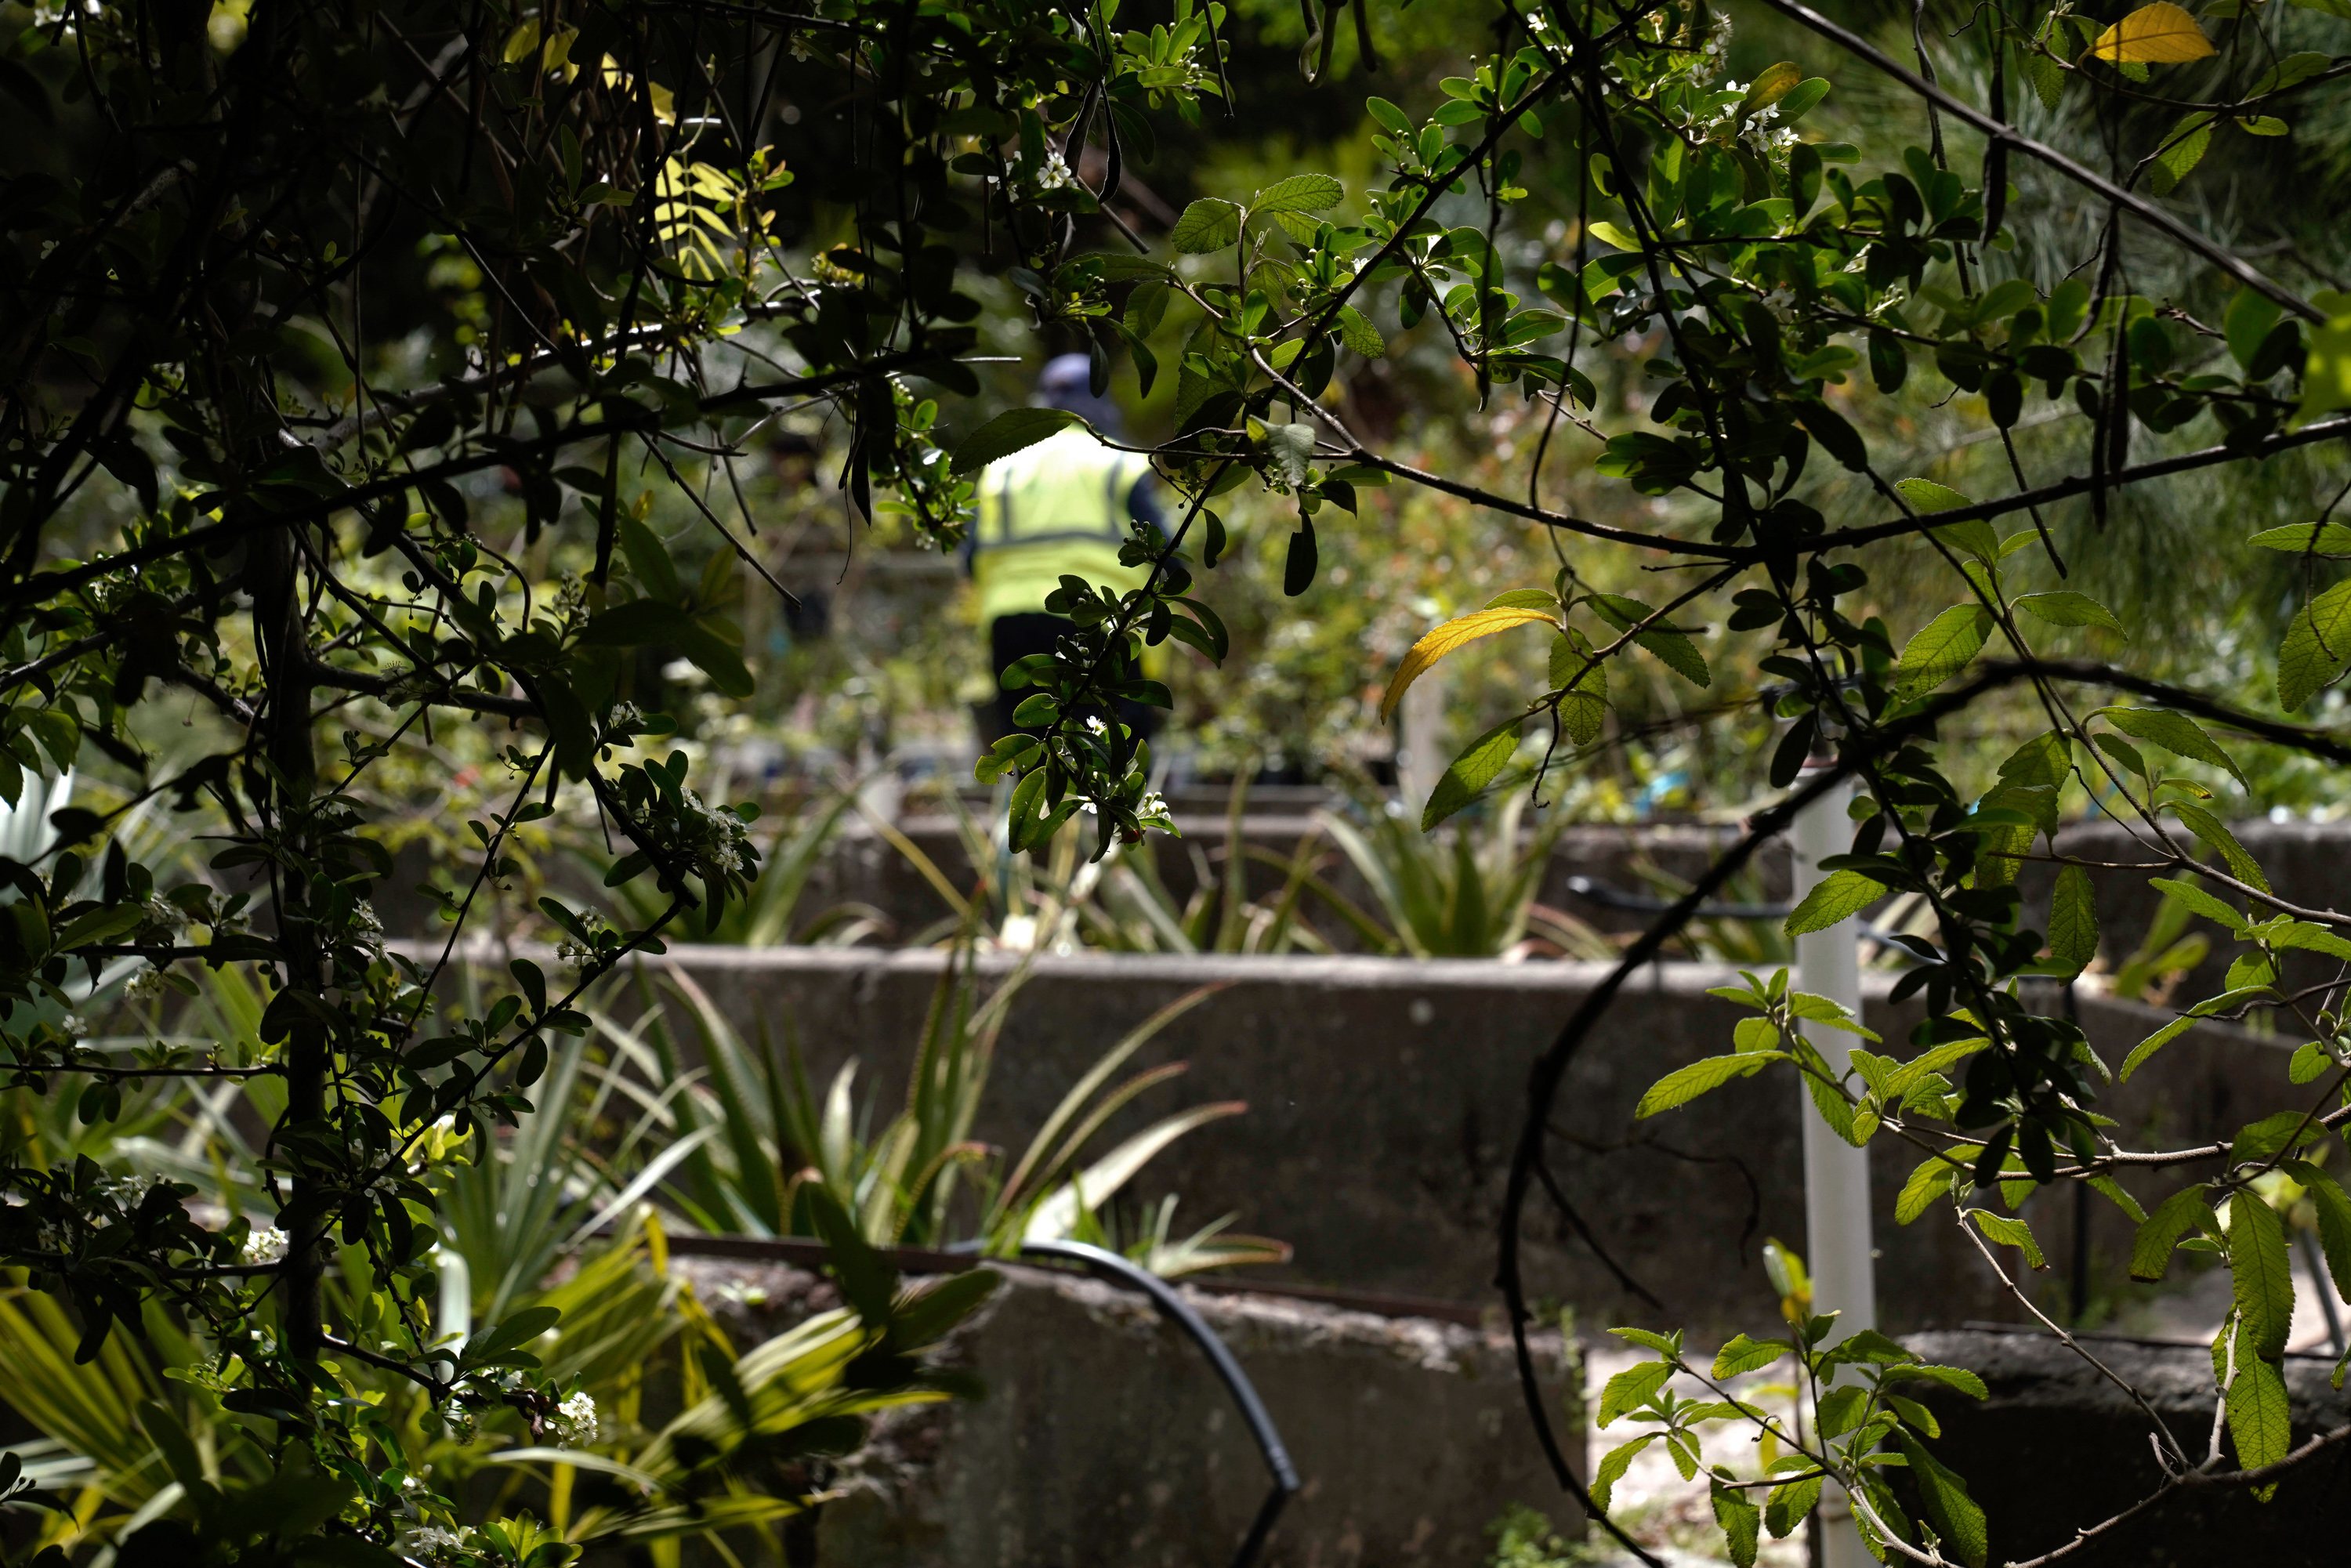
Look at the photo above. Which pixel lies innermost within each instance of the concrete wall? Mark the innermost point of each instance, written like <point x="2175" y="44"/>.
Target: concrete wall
<point x="1385" y="1095"/>
<point x="1102" y="1438"/>
<point x="2056" y="1448"/>
<point x="2308" y="865"/>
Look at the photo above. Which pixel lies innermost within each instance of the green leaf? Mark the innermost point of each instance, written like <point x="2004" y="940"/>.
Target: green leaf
<point x="1802" y="98"/>
<point x="1357" y="333"/>
<point x="1917" y="1069"/>
<point x="2159" y="1234"/>
<point x="1207" y="224"/>
<point x="2178" y="1026"/>
<point x="2330" y="539"/>
<point x="2333" y="1210"/>
<point x="2073" y="920"/>
<point x="519" y="1328"/>
<point x="2251" y="316"/>
<point x="2259" y="1421"/>
<point x="1827" y="1011"/>
<point x="1929" y="496"/>
<point x="2263" y="1282"/>
<point x="1974" y="536"/>
<point x="1942" y="648"/>
<point x="1009" y="433"/>
<point x="2175" y="732"/>
<point x="2182" y="149"/>
<point x="2067" y="608"/>
<point x="2326" y="370"/>
<point x="2045" y="760"/>
<point x="1840" y="893"/>
<point x="1392" y="118"/>
<point x="1677" y="653"/>
<point x="1943" y="1495"/>
<point x="2010" y="1233"/>
<point x="2181" y="891"/>
<point x="1929" y="1182"/>
<point x="649" y="558"/>
<point x="1684" y="1084"/>
<point x="1479" y="764"/>
<point x="1743" y="1354"/>
<point x="1292" y="448"/>
<point x="2318" y="641"/>
<point x="1672" y="648"/>
<point x="1298" y="194"/>
<point x="1740" y="1521"/>
<point x="1584" y="709"/>
<point x="1613" y="1467"/>
<point x="1667" y="1345"/>
<point x="2208" y="828"/>
<point x="1770" y="85"/>
<point x="1631" y="1389"/>
<point x="1790" y="1504"/>
<point x="2107" y="1188"/>
<point x="715" y="657"/>
<point x="1958" y="1377"/>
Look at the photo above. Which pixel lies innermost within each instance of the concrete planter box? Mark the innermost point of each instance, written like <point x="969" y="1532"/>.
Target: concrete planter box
<point x="2057" y="1448"/>
<point x="1103" y="1439"/>
<point x="1384" y="1094"/>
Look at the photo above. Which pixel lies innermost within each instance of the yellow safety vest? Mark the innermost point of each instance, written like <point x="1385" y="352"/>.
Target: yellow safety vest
<point x="1059" y="507"/>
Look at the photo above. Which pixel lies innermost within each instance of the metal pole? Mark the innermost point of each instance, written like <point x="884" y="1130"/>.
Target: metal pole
<point x="1837" y="1174"/>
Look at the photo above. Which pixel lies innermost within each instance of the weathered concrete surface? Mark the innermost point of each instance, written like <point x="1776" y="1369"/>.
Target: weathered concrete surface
<point x="2307" y="864"/>
<point x="2056" y="1448"/>
<point x="1384" y="1096"/>
<point x="1104" y="1439"/>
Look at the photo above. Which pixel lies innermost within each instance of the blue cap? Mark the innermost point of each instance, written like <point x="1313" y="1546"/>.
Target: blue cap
<point x="1066" y="374"/>
<point x="1066" y="382"/>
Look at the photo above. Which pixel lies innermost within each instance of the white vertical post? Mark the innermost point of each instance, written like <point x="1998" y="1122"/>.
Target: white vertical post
<point x="1837" y="1174"/>
<point x="1420" y="740"/>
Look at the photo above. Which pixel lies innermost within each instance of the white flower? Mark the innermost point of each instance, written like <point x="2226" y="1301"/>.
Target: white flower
<point x="1055" y="176"/>
<point x="129" y="1191"/>
<point x="575" y="1421"/>
<point x="265" y="1244"/>
<point x="1095" y="725"/>
<point x="434" y="1545"/>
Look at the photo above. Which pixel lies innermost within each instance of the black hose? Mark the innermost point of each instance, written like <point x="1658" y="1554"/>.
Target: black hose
<point x="1609" y="896"/>
<point x="1119" y="1270"/>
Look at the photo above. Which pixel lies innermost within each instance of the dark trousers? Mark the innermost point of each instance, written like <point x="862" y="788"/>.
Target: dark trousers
<point x="1011" y="638"/>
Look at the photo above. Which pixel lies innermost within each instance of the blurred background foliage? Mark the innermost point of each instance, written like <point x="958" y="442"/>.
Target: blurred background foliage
<point x="871" y="677"/>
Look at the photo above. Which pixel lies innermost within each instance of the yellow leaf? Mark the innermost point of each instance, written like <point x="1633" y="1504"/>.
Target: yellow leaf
<point x="1451" y="635"/>
<point x="2160" y="34"/>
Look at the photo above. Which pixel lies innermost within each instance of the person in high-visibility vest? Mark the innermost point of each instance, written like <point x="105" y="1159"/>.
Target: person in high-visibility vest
<point x="1062" y="507"/>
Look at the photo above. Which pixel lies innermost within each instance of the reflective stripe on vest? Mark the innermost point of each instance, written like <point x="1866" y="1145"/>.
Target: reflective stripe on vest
<point x="1055" y="508"/>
